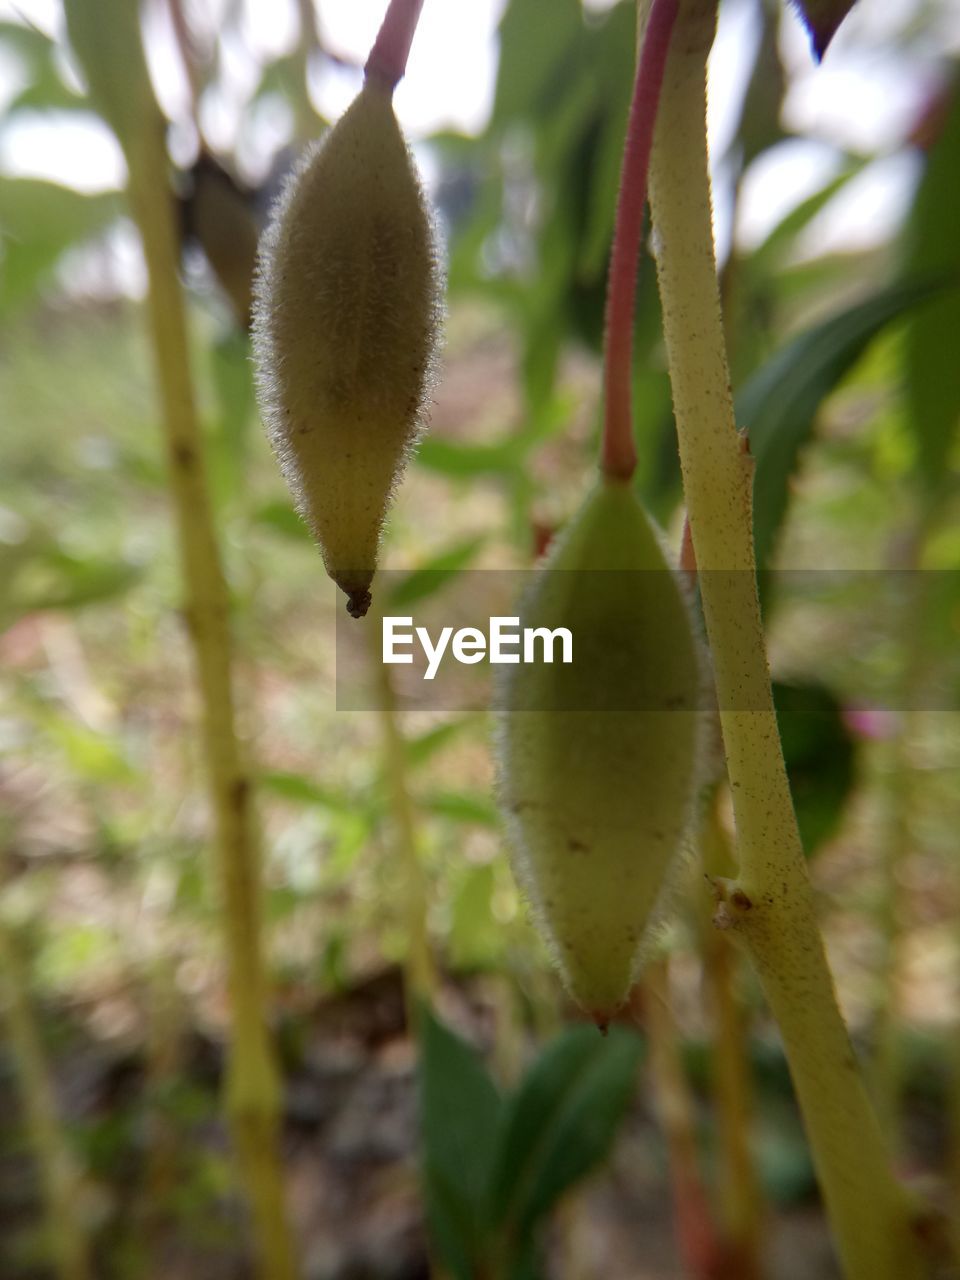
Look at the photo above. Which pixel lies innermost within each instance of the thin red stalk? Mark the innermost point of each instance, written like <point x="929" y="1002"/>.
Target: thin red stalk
<point x="388" y="57"/>
<point x="619" y="456"/>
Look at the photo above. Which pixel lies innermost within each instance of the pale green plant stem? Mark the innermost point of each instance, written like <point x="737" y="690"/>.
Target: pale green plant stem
<point x="772" y="906"/>
<point x="694" y="1226"/>
<point x="252" y="1087"/>
<point x="893" y="914"/>
<point x="419" y="974"/>
<point x="58" y="1171"/>
<point x="738" y="1187"/>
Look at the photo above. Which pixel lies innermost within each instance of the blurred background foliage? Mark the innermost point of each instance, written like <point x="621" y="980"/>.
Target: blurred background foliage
<point x="846" y="371"/>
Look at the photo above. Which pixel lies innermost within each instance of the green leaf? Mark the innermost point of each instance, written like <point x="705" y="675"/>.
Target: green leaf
<point x="818" y="750"/>
<point x="779" y="404"/>
<point x="789" y="227"/>
<point x="534" y="55"/>
<point x="561" y="1123"/>
<point x="933" y="332"/>
<point x="475" y="937"/>
<point x="91" y="755"/>
<point x="230" y="440"/>
<point x="460" y="1112"/>
<point x="467" y="460"/>
<point x="423" y="748"/>
<point x="38" y="222"/>
<point x="281" y="517"/>
<point x="759" y="125"/>
<point x="822" y="18"/>
<point x="41" y="575"/>
<point x="301" y="790"/>
<point x="45" y="88"/>
<point x="616" y="41"/>
<point x="463" y="806"/>
<point x="430" y="577"/>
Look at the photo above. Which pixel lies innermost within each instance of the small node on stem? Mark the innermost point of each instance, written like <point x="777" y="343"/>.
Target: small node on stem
<point x="732" y="902"/>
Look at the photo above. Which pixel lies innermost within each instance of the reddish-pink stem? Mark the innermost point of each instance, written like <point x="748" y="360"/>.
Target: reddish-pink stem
<point x="388" y="57"/>
<point x="619" y="457"/>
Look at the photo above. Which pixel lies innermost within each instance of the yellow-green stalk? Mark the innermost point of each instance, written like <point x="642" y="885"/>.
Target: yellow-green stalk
<point x="58" y="1171"/>
<point x="106" y="37"/>
<point x="696" y="1237"/>
<point x="772" y="905"/>
<point x="740" y="1199"/>
<point x="420" y="978"/>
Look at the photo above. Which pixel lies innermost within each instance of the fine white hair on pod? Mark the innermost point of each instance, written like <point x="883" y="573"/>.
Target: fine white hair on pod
<point x="346" y="318"/>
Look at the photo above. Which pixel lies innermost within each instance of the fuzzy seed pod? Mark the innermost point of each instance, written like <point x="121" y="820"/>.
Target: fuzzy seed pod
<point x="344" y="332"/>
<point x="598" y="759"/>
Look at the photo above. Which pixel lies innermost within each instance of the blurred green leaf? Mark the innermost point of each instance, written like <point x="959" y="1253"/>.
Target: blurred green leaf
<point x="39" y="220"/>
<point x="759" y="125"/>
<point x="562" y="1122"/>
<point x="463" y="806"/>
<point x="453" y="458"/>
<point x="933" y="331"/>
<point x="534" y="56"/>
<point x="460" y="1110"/>
<point x="301" y="790"/>
<point x="423" y="748"/>
<point x="779" y="404"/>
<point x="281" y="517"/>
<point x="475" y="937"/>
<point x="423" y="582"/>
<point x="45" y="88"/>
<point x="616" y="40"/>
<point x="788" y="228"/>
<point x="38" y="574"/>
<point x="233" y="385"/>
<point x="819" y="752"/>
<point x="91" y="755"/>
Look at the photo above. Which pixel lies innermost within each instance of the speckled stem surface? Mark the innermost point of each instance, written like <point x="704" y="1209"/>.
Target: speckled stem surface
<point x="771" y="905"/>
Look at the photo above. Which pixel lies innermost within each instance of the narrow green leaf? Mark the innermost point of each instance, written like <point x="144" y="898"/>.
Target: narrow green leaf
<point x="534" y="55"/>
<point x="437" y="572"/>
<point x="39" y="220"/>
<point x="459" y="1117"/>
<point x="280" y="517"/>
<point x="42" y="576"/>
<point x="561" y="1123"/>
<point x="818" y="751"/>
<point x="475" y="937"/>
<point x="301" y="790"/>
<point x="457" y="459"/>
<point x="423" y="748"/>
<point x="463" y="806"/>
<point x="933" y="332"/>
<point x="779" y="404"/>
<point x="789" y="227"/>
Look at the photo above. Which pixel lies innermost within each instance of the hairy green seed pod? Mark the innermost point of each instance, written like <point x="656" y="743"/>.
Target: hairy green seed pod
<point x="598" y="759"/>
<point x="344" y="330"/>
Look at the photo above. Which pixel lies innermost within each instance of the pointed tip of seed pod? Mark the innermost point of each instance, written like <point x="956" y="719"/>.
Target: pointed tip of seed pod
<point x="358" y="602"/>
<point x="602" y="1022"/>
